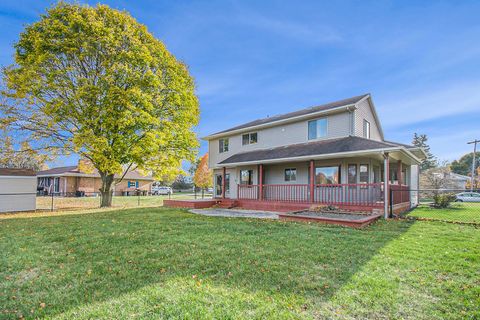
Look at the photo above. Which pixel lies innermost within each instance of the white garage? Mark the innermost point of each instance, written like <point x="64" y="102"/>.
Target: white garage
<point x="18" y="189"/>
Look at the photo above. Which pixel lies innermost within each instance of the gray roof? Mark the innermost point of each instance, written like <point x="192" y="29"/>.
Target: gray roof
<point x="323" y="107"/>
<point x="59" y="170"/>
<point x="339" y="145"/>
<point x="16" y="172"/>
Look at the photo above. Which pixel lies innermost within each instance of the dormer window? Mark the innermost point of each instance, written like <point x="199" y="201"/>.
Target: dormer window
<point x="249" y="138"/>
<point x="223" y="145"/>
<point x="366" y="129"/>
<point x="317" y="128"/>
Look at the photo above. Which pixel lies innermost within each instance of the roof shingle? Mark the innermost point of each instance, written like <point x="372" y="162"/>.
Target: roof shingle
<point x="323" y="107"/>
<point x="16" y="172"/>
<point x="339" y="145"/>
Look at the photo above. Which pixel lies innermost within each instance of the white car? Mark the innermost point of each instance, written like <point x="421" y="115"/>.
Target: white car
<point x="467" y="197"/>
<point x="161" y="190"/>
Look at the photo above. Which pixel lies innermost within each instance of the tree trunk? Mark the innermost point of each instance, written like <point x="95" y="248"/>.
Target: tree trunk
<point x="106" y="190"/>
<point x="203" y="192"/>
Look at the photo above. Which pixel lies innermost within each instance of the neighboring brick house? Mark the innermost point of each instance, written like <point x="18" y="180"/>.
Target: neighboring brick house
<point x="70" y="181"/>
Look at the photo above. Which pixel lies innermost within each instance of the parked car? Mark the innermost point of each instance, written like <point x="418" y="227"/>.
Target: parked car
<point x="161" y="190"/>
<point x="467" y="197"/>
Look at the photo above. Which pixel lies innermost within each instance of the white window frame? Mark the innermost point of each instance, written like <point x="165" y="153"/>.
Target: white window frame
<point x="249" y="138"/>
<point x="290" y="175"/>
<point x="221" y="146"/>
<point x="366" y="129"/>
<point x="317" y="137"/>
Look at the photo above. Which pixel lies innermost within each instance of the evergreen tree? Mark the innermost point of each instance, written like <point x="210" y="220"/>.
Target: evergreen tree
<point x="420" y="140"/>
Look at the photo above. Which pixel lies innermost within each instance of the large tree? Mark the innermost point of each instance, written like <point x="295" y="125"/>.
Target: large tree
<point x="420" y="140"/>
<point x="464" y="164"/>
<point x="24" y="157"/>
<point x="93" y="81"/>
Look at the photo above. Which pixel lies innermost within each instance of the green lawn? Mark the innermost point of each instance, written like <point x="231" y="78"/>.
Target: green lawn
<point x="165" y="263"/>
<point x="458" y="212"/>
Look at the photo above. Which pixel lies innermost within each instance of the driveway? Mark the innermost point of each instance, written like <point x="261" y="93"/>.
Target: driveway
<point x="236" y="213"/>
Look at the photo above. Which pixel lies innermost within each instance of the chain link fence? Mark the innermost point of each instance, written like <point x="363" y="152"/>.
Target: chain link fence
<point x="58" y="201"/>
<point x="447" y="205"/>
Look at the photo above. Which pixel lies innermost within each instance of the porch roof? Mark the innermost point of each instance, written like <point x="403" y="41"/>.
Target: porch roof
<point x="339" y="147"/>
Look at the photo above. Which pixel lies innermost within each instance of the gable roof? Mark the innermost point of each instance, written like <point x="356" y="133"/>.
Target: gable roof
<point x="294" y="114"/>
<point x="17" y="172"/>
<point x="316" y="148"/>
<point x="73" y="171"/>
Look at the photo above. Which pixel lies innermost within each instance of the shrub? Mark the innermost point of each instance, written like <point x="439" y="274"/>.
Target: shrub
<point x="442" y="200"/>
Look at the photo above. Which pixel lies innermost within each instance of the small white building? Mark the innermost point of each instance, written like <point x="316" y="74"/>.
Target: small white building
<point x="18" y="189"/>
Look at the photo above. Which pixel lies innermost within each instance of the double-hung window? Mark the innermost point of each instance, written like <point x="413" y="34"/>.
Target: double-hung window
<point x="223" y="145"/>
<point x="291" y="174"/>
<point x="317" y="128"/>
<point x="352" y="173"/>
<point x="364" y="173"/>
<point x="249" y="138"/>
<point x="246" y="177"/>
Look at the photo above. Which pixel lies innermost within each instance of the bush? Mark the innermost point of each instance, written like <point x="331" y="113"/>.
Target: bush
<point x="442" y="200"/>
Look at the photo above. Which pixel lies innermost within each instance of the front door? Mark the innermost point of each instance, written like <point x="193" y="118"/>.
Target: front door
<point x="218" y="185"/>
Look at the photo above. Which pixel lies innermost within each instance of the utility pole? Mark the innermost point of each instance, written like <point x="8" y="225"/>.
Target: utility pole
<point x="474" y="142"/>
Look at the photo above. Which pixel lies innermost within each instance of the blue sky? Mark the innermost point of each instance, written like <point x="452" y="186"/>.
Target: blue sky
<point x="420" y="60"/>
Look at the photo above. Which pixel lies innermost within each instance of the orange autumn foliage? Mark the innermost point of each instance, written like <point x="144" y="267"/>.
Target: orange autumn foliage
<point x="203" y="177"/>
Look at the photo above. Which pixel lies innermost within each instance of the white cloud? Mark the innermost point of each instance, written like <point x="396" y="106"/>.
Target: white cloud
<point x="438" y="102"/>
<point x="310" y="33"/>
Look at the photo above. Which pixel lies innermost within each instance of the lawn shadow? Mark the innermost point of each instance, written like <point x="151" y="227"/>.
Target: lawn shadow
<point x="84" y="259"/>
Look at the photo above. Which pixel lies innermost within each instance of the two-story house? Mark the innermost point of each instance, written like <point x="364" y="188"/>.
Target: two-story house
<point x="334" y="153"/>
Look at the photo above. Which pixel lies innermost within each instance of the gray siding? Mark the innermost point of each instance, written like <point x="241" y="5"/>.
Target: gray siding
<point x="364" y="112"/>
<point x="339" y="125"/>
<point x="17" y="193"/>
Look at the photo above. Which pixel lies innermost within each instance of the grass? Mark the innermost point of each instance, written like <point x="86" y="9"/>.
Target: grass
<point x="467" y="212"/>
<point x="165" y="263"/>
<point x="62" y="203"/>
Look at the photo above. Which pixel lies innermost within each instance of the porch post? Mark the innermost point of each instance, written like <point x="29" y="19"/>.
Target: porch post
<point x="312" y="180"/>
<point x="399" y="172"/>
<point x="386" y="184"/>
<point x="260" y="182"/>
<point x="223" y="182"/>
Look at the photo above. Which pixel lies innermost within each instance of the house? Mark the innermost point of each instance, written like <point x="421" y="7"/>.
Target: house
<point x="443" y="178"/>
<point x="72" y="181"/>
<point x="333" y="153"/>
<point x="17" y="190"/>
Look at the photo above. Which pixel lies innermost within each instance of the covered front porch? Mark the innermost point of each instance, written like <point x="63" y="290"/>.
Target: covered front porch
<point x="359" y="182"/>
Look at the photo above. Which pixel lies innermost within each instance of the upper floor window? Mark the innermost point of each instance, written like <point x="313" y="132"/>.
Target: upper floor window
<point x="366" y="129"/>
<point x="291" y="174"/>
<point x="223" y="145"/>
<point x="317" y="128"/>
<point x="249" y="138"/>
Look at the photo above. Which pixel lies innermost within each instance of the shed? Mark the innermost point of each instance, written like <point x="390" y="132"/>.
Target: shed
<point x="17" y="190"/>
